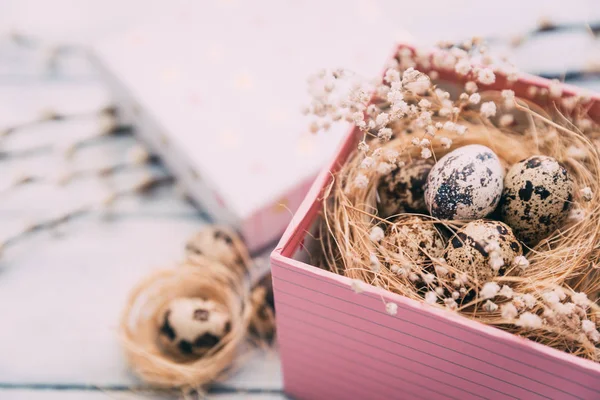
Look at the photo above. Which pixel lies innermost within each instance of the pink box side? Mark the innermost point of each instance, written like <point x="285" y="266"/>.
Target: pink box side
<point x="339" y="344"/>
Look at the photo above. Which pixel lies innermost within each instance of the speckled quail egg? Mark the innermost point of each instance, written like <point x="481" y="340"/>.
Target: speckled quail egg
<point x="402" y="189"/>
<point x="217" y="243"/>
<point x="262" y="323"/>
<point x="465" y="184"/>
<point x="192" y="326"/>
<point x="536" y="198"/>
<point x="483" y="249"/>
<point x="415" y="240"/>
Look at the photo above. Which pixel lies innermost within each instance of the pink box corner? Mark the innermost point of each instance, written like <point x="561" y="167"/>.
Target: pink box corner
<point x="337" y="344"/>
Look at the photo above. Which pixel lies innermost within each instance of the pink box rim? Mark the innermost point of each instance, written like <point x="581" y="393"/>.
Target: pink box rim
<point x="310" y="207"/>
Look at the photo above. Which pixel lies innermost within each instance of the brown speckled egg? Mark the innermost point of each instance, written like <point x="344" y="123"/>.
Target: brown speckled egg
<point x="469" y="250"/>
<point x="402" y="189"/>
<point x="536" y="198"/>
<point x="217" y="243"/>
<point x="465" y="184"/>
<point x="192" y="326"/>
<point x="415" y="239"/>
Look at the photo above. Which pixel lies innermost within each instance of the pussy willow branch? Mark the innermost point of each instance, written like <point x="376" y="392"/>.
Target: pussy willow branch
<point x="144" y="186"/>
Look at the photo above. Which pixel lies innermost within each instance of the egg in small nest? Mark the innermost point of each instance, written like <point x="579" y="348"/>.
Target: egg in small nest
<point x="192" y="326"/>
<point x="537" y="197"/>
<point x="402" y="190"/>
<point x="483" y="249"/>
<point x="465" y="184"/>
<point x="415" y="240"/>
<point x="217" y="243"/>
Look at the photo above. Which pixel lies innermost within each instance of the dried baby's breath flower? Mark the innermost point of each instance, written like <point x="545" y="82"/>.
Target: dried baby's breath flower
<point x="382" y="119"/>
<point x="424" y="143"/>
<point x="555" y="88"/>
<point x="361" y="181"/>
<point x="428" y="278"/>
<point x="425" y="153"/>
<point x="475" y="98"/>
<point x="520" y="262"/>
<point x="430" y="297"/>
<point x="506" y="120"/>
<point x="391" y="155"/>
<point x="395" y="96"/>
<point x="439" y="291"/>
<point x="488" y="109"/>
<point x="470" y="87"/>
<point x="506" y="291"/>
<point x="560" y="293"/>
<point x="374" y="261"/>
<point x="385" y="134"/>
<point x="463" y="97"/>
<point x="529" y="320"/>
<point x="446" y="142"/>
<point x="580" y="299"/>
<point x="486" y="76"/>
<point x="449" y="126"/>
<point x="564" y="308"/>
<point x="391" y="308"/>
<point x="587" y="194"/>
<point x="589" y="328"/>
<point x="509" y="98"/>
<point x="356" y="286"/>
<point x="496" y="262"/>
<point x="570" y="102"/>
<point x="584" y="124"/>
<point x="460" y="129"/>
<point x="451" y="303"/>
<point x="413" y="277"/>
<point x="367" y="163"/>
<point x="430" y="130"/>
<point x="392" y="75"/>
<point x="577" y="215"/>
<point x="528" y="300"/>
<point x="415" y="81"/>
<point x="363" y="146"/>
<point x="508" y="311"/>
<point x="551" y="297"/>
<point x="490" y="306"/>
<point x="424" y="103"/>
<point x="463" y="67"/>
<point x="424" y="119"/>
<point x="376" y="234"/>
<point x="532" y="91"/>
<point x="455" y="295"/>
<point x="489" y="290"/>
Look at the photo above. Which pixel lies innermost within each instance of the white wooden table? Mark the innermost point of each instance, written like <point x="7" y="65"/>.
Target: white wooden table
<point x="61" y="291"/>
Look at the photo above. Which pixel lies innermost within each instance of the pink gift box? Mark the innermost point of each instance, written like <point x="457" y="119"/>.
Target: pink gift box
<point x="338" y="344"/>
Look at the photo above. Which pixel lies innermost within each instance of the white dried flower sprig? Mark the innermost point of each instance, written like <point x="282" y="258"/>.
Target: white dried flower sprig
<point x="529" y="320"/>
<point x="377" y="234"/>
<point x="587" y="194"/>
<point x="489" y="290"/>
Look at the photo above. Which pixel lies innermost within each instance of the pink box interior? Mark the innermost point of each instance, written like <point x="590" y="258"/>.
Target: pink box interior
<point x="337" y="344"/>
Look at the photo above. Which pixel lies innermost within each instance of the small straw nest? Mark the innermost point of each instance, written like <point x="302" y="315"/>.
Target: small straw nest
<point x="568" y="259"/>
<point x="140" y="323"/>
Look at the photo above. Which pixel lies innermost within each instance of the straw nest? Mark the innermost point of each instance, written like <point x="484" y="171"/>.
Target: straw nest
<point x="565" y="262"/>
<point x="215" y="270"/>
